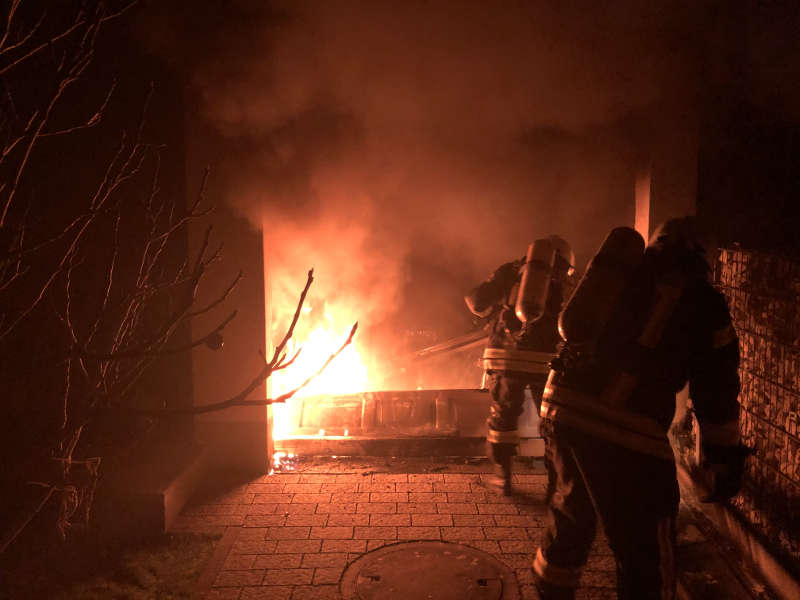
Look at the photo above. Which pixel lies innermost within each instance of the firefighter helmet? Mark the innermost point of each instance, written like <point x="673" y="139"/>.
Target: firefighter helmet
<point x="680" y="233"/>
<point x="683" y="236"/>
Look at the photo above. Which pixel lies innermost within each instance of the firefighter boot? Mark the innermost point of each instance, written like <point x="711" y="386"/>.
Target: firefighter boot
<point x="501" y="455"/>
<point x="550" y="591"/>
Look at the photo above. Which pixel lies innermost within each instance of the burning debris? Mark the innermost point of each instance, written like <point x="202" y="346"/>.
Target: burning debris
<point x="284" y="462"/>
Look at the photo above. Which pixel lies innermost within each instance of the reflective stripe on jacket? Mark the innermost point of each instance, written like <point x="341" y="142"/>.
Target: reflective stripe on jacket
<point x="526" y="361"/>
<point x="502" y="437"/>
<point x="617" y="425"/>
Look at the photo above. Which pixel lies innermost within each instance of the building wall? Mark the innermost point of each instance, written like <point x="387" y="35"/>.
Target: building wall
<point x="749" y="179"/>
<point x="763" y="292"/>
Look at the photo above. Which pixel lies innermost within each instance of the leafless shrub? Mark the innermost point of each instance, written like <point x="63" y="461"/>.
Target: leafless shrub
<point x="108" y="282"/>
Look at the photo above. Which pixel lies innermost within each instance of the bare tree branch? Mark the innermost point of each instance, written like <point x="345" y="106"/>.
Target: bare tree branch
<point x="220" y="298"/>
<point x="107" y="345"/>
<point x="81" y="21"/>
<point x="122" y="355"/>
<point x="95" y="119"/>
<point x="15" y="531"/>
<point x="5" y="49"/>
<point x="115" y="277"/>
<point x="240" y="398"/>
<point x="287" y="395"/>
<point x="290" y="331"/>
<point x="95" y="327"/>
<point x="69" y="74"/>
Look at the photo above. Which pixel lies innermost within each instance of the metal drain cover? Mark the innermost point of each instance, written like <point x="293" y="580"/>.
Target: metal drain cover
<point x="428" y="571"/>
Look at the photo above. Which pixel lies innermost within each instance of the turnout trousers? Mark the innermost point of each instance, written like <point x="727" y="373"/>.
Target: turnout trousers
<point x="507" y="391"/>
<point x="636" y="498"/>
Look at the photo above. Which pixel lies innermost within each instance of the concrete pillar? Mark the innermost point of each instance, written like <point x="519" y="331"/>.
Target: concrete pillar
<point x="642" y="202"/>
<point x="665" y="188"/>
<point x="237" y="438"/>
<point x="268" y="342"/>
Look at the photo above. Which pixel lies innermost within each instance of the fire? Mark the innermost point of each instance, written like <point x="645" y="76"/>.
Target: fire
<point x="346" y="374"/>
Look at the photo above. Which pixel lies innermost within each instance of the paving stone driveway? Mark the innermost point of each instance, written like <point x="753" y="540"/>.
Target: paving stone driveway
<point x="289" y="536"/>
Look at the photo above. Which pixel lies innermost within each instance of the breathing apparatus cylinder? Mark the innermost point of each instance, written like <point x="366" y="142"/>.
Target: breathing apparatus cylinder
<point x="588" y="310"/>
<point x="535" y="281"/>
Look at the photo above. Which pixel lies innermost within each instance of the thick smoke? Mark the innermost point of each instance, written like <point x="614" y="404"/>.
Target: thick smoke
<point x="405" y="149"/>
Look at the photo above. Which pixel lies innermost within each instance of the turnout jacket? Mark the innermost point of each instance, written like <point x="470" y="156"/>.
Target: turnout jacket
<point x="514" y="346"/>
<point x="623" y="389"/>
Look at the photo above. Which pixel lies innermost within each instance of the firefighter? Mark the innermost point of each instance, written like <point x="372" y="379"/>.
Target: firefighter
<point x="641" y="323"/>
<point x="522" y="300"/>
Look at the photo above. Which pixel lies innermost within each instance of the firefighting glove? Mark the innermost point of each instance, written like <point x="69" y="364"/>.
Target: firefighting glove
<point x="723" y="469"/>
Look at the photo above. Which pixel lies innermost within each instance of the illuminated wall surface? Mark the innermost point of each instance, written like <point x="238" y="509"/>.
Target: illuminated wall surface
<point x="762" y="292"/>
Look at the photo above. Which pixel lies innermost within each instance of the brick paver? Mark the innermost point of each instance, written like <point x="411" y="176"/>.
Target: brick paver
<point x="462" y="533"/>
<point x="277" y="561"/>
<point x="417" y="507"/>
<point x="344" y="546"/>
<point x="297" y="532"/>
<point x="326" y="560"/>
<point x="294" y="546"/>
<point x="418" y="533"/>
<point x="381" y="519"/>
<point x="422" y="520"/>
<point x="347" y="519"/>
<point x="375" y="533"/>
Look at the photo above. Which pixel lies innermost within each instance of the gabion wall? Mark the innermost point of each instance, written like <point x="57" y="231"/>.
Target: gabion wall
<point x="763" y="293"/>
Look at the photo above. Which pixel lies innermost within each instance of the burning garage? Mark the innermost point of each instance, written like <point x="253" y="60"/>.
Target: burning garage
<point x="343" y="176"/>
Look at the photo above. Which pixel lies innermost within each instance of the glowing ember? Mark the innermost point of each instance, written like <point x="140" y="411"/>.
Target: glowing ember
<point x="282" y="462"/>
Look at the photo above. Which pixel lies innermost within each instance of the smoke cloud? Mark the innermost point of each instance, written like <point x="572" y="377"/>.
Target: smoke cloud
<point x="405" y="149"/>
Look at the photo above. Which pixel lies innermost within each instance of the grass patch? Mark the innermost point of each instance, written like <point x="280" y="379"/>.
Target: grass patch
<point x="166" y="568"/>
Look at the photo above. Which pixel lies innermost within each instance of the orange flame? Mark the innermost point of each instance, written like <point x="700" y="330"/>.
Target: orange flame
<point x="348" y="373"/>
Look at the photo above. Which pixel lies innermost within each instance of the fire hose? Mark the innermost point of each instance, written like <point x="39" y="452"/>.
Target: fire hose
<point x="462" y="342"/>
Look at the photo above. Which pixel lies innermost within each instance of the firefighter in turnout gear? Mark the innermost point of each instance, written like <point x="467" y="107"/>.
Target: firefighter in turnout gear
<point x="522" y="300"/>
<point x="641" y="323"/>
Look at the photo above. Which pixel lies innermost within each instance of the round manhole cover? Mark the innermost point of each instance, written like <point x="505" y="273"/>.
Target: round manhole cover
<point x="430" y="571"/>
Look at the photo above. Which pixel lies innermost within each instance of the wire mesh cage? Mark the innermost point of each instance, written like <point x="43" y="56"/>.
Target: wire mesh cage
<point x="763" y="293"/>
